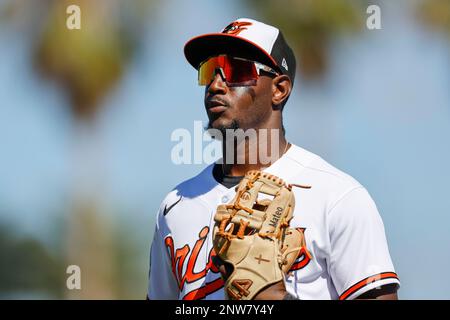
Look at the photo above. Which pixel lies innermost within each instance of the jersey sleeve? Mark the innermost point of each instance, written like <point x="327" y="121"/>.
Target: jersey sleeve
<point x="359" y="257"/>
<point x="162" y="284"/>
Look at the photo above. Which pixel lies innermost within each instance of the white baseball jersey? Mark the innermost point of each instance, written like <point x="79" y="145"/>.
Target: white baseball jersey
<point x="343" y="229"/>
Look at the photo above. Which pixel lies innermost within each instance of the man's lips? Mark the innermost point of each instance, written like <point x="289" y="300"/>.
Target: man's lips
<point x="215" y="106"/>
<point x="217" y="109"/>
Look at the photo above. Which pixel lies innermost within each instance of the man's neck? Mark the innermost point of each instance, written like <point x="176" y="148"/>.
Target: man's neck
<point x="252" y="156"/>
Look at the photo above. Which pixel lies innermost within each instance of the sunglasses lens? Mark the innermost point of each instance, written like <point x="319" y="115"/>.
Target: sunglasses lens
<point x="236" y="71"/>
<point x="207" y="70"/>
<point x="241" y="72"/>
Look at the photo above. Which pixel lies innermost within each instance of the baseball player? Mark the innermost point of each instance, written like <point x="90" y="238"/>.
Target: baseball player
<point x="248" y="71"/>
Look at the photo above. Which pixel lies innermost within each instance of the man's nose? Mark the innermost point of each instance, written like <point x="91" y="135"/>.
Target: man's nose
<point x="218" y="84"/>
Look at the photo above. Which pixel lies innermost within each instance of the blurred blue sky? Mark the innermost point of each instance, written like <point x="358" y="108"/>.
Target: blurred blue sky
<point x="382" y="114"/>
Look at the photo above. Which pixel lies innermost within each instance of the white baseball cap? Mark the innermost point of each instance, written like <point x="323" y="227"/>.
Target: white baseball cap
<point x="245" y="38"/>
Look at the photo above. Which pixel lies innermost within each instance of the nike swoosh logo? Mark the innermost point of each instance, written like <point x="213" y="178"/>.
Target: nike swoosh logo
<point x="166" y="210"/>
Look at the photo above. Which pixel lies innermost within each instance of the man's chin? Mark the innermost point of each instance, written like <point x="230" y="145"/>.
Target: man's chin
<point x="215" y="126"/>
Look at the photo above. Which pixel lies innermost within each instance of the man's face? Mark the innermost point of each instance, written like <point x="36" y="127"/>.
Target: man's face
<point x="233" y="107"/>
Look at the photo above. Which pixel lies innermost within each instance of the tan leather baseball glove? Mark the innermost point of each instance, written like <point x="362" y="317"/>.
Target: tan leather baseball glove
<point x="252" y="234"/>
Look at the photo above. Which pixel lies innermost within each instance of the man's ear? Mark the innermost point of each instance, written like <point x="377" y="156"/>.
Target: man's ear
<point x="281" y="89"/>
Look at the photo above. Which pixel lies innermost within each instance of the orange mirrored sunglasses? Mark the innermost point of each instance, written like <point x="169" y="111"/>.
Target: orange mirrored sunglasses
<point x="234" y="71"/>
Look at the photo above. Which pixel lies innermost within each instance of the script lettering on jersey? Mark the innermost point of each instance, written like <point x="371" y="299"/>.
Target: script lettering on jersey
<point x="179" y="257"/>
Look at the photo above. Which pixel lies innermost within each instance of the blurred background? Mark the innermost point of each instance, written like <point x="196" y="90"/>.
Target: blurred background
<point x="86" y="118"/>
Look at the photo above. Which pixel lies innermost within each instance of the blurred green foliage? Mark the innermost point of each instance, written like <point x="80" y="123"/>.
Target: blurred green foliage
<point x="131" y="257"/>
<point x="27" y="268"/>
<point x="310" y="25"/>
<point x="88" y="62"/>
<point x="435" y="13"/>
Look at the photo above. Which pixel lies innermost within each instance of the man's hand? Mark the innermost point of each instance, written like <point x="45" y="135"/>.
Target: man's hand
<point x="275" y="291"/>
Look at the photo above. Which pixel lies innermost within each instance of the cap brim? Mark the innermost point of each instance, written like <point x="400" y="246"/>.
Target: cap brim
<point x="200" y="48"/>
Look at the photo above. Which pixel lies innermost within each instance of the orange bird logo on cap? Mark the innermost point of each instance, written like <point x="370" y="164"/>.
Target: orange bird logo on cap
<point x="236" y="27"/>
